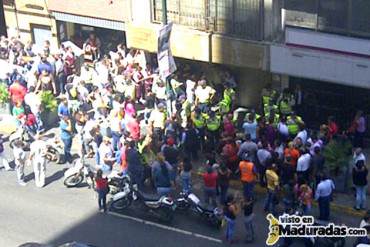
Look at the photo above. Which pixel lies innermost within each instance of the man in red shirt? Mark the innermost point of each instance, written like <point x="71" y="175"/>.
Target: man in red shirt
<point x="17" y="92"/>
<point x="210" y="183"/>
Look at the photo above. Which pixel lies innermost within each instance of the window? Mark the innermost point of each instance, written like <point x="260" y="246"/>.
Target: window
<point x="301" y="13"/>
<point x="333" y="16"/>
<point x="360" y="23"/>
<point x="40" y="33"/>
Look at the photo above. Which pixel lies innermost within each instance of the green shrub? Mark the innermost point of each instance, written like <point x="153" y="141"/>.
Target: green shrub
<point x="49" y="101"/>
<point x="4" y="94"/>
<point x="337" y="154"/>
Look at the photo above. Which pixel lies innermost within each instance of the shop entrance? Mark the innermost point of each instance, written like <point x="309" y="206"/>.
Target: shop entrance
<point x="78" y="34"/>
<point x="323" y="99"/>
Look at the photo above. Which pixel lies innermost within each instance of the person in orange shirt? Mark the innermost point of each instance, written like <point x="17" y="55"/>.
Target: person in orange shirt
<point x="292" y="152"/>
<point x="248" y="176"/>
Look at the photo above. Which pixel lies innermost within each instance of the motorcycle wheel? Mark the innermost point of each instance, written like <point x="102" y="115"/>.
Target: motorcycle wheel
<point x="166" y="214"/>
<point x="121" y="204"/>
<point x="215" y="222"/>
<point x="73" y="180"/>
<point x="11" y="144"/>
<point x="182" y="206"/>
<point x="57" y="156"/>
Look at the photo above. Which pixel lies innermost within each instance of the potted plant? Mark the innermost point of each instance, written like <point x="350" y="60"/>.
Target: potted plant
<point x="4" y="99"/>
<point x="49" y="108"/>
<point x="337" y="155"/>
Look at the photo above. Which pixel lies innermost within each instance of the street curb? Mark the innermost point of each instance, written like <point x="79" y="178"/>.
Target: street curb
<point x="236" y="185"/>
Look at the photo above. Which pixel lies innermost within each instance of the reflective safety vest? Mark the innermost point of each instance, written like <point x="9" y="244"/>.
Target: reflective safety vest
<point x="214" y="123"/>
<point x="293" y="127"/>
<point x="186" y="108"/>
<point x="228" y="95"/>
<point x="285" y="108"/>
<point x="267" y="108"/>
<point x="275" y="120"/>
<point x="246" y="171"/>
<point x="199" y="121"/>
<point x="224" y="107"/>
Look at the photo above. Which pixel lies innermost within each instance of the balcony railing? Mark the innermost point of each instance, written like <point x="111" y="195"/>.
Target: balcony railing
<point x="239" y="18"/>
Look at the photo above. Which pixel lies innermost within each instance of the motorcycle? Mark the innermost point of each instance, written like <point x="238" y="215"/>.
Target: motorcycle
<point x="117" y="182"/>
<point x="191" y="202"/>
<point x="54" y="150"/>
<point x="76" y="174"/>
<point x="162" y="207"/>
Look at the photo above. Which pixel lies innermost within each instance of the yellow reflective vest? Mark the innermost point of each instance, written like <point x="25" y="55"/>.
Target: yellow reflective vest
<point x="214" y="123"/>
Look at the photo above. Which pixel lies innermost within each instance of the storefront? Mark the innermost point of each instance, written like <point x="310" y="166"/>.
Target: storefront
<point x="77" y="19"/>
<point x="333" y="72"/>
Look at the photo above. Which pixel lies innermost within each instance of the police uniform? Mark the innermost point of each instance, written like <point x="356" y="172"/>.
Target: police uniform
<point x="199" y="123"/>
<point x="213" y="130"/>
<point x="293" y="125"/>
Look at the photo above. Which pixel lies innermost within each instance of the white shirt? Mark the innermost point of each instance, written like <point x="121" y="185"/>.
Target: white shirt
<point x="303" y="135"/>
<point x="104" y="152"/>
<point x="160" y="92"/>
<point x="324" y="189"/>
<point x="190" y="85"/>
<point x="89" y="125"/>
<point x="303" y="162"/>
<point x="203" y="94"/>
<point x="19" y="155"/>
<point x="37" y="150"/>
<point x="33" y="101"/>
<point x="283" y="129"/>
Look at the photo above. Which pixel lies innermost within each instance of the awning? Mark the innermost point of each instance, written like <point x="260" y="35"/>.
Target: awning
<point x="95" y="22"/>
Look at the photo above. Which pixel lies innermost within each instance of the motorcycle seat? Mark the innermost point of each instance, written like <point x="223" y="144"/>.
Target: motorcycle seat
<point x="150" y="197"/>
<point x="204" y="208"/>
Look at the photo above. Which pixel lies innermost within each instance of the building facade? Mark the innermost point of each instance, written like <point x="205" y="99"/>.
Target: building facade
<point x="284" y="42"/>
<point x="30" y="20"/>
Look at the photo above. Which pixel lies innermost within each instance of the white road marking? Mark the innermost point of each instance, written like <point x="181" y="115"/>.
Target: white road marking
<point x="169" y="228"/>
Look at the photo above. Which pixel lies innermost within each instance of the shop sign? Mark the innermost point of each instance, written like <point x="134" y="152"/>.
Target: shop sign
<point x="166" y="62"/>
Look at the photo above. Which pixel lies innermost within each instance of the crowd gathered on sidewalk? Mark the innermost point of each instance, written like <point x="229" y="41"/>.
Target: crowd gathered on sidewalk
<point x="121" y="112"/>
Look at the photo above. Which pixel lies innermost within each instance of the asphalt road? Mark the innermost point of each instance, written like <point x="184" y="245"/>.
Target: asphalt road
<point x="55" y="215"/>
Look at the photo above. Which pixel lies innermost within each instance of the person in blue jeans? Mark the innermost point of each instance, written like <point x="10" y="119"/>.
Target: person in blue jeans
<point x="359" y="177"/>
<point x="185" y="175"/>
<point x="161" y="171"/>
<point x="230" y="212"/>
<point x="66" y="136"/>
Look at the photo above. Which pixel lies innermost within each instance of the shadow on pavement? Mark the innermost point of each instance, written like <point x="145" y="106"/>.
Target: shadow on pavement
<point x="55" y="177"/>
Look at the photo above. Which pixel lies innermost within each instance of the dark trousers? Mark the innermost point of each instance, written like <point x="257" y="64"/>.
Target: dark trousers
<point x="213" y="138"/>
<point x="248" y="189"/>
<point x="201" y="135"/>
<point x="223" y="193"/>
<point x="192" y="152"/>
<point x="102" y="199"/>
<point x="324" y="206"/>
<point x="359" y="140"/>
<point x="67" y="149"/>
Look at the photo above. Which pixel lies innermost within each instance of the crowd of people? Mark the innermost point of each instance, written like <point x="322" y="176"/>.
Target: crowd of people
<point x="121" y="112"/>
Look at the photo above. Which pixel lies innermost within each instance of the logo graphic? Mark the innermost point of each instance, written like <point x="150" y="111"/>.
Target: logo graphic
<point x="294" y="226"/>
<point x="274" y="230"/>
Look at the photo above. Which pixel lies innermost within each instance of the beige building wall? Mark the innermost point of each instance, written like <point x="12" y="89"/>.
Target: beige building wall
<point x="21" y="17"/>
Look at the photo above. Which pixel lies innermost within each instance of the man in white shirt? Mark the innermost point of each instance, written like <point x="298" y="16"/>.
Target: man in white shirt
<point x="37" y="156"/>
<point x="203" y="95"/>
<point x="323" y="196"/>
<point x="33" y="100"/>
<point x="303" y="165"/>
<point x="302" y="134"/>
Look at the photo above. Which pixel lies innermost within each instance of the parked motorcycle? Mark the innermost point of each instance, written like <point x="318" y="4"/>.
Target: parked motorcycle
<point x="76" y="174"/>
<point x="54" y="150"/>
<point x="162" y="207"/>
<point x="117" y="182"/>
<point x="191" y="202"/>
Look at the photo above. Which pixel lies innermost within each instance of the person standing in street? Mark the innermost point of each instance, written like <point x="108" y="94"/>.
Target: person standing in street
<point x="223" y="181"/>
<point x="247" y="206"/>
<point x="272" y="180"/>
<point x="5" y="162"/>
<point x="185" y="174"/>
<point x="323" y="195"/>
<point x="19" y="160"/>
<point x="66" y="136"/>
<point x="210" y="186"/>
<point x="231" y="210"/>
<point x="37" y="156"/>
<point x="359" y="177"/>
<point x="248" y="175"/>
<point x="102" y="189"/>
<point x="161" y="171"/>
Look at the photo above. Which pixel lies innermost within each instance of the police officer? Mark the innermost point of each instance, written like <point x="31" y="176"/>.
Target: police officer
<point x="293" y="123"/>
<point x="269" y="107"/>
<point x="213" y="124"/>
<point x="199" y="123"/>
<point x="185" y="110"/>
<point x="268" y="94"/>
